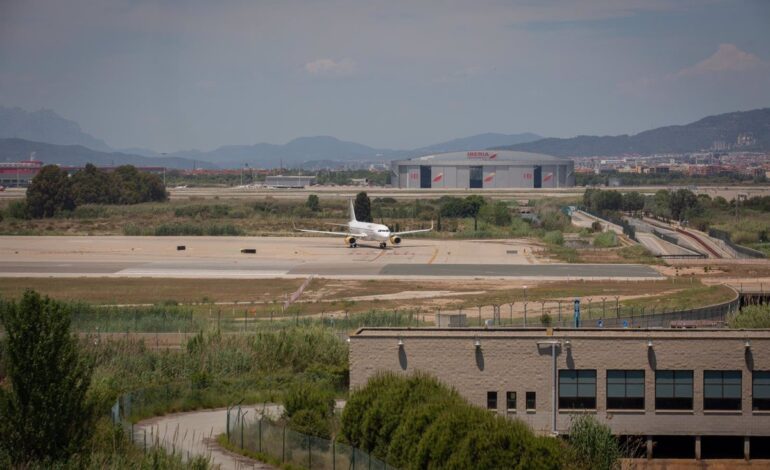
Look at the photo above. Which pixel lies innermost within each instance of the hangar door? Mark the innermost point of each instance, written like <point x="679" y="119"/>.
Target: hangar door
<point x="538" y="177"/>
<point x="477" y="177"/>
<point x="424" y="176"/>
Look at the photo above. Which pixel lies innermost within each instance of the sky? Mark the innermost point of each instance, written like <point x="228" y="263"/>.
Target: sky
<point x="181" y="74"/>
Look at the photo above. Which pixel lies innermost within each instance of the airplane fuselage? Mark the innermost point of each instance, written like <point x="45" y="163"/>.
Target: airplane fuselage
<point x="375" y="232"/>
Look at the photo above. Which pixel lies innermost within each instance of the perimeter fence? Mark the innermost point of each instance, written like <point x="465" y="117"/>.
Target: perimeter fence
<point x="260" y="435"/>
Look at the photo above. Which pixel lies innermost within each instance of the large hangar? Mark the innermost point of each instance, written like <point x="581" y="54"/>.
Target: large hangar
<point x="499" y="169"/>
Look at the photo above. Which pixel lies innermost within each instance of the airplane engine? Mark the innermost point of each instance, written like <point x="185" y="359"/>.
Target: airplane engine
<point x="395" y="239"/>
<point x="350" y="240"/>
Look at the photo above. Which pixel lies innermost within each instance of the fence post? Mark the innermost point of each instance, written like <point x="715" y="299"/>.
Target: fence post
<point x="309" y="453"/>
<point x="260" y="434"/>
<point x="334" y="455"/>
<point x="283" y="446"/>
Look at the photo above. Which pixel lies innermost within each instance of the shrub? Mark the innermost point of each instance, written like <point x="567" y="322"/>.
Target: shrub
<point x="417" y="422"/>
<point x="496" y="214"/>
<point x="18" y="210"/>
<point x="554" y="237"/>
<point x="309" y="409"/>
<point x="606" y="240"/>
<point x="753" y="316"/>
<point x="520" y="228"/>
<point x="592" y="444"/>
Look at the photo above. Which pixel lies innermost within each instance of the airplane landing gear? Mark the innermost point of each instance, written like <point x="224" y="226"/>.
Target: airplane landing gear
<point x="383" y="245"/>
<point x="353" y="245"/>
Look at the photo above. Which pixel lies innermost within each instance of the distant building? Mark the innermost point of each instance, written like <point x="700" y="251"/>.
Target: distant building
<point x="483" y="169"/>
<point x="281" y="181"/>
<point x="18" y="174"/>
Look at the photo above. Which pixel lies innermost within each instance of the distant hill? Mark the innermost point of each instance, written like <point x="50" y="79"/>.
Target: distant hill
<point x="693" y="137"/>
<point x="12" y="150"/>
<point x="46" y="126"/>
<point x="291" y="154"/>
<point x="309" y="151"/>
<point x="476" y="142"/>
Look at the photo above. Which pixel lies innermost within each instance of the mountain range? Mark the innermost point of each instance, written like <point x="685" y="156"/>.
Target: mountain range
<point x="55" y="139"/>
<point x="725" y="129"/>
<point x="14" y="150"/>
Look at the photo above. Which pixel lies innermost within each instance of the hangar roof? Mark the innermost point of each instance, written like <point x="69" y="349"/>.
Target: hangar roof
<point x="484" y="157"/>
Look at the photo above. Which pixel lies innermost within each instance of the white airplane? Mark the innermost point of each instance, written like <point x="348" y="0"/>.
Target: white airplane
<point x="367" y="231"/>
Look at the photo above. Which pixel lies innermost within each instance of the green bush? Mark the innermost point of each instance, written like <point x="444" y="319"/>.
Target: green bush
<point x="417" y="422"/>
<point x="309" y="409"/>
<point x="606" y="239"/>
<point x="495" y="214"/>
<point x="592" y="445"/>
<point x="520" y="228"/>
<point x="753" y="316"/>
<point x="18" y="210"/>
<point x="554" y="237"/>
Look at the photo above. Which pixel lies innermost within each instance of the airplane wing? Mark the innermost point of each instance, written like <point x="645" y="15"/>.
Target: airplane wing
<point x="414" y="231"/>
<point x="343" y="234"/>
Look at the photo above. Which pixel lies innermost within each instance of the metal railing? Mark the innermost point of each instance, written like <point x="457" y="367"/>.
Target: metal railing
<point x="263" y="436"/>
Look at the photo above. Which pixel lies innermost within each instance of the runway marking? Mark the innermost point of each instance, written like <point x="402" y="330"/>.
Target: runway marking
<point x="433" y="258"/>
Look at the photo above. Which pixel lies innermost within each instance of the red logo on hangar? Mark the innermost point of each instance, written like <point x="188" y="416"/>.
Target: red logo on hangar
<point x="482" y="155"/>
<point x="489" y="178"/>
<point x="438" y="177"/>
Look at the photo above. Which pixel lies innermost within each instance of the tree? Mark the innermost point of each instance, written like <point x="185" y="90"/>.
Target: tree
<point x="633" y="202"/>
<point x="313" y="203"/>
<point x="49" y="192"/>
<point x="363" y="207"/>
<point x="45" y="416"/>
<point x="474" y="203"/>
<point x="93" y="186"/>
<point x="680" y="202"/>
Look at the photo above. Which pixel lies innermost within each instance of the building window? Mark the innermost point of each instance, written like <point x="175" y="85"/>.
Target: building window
<point x="722" y="390"/>
<point x="491" y="400"/>
<point x="531" y="403"/>
<point x="761" y="390"/>
<point x="577" y="389"/>
<point x="510" y="401"/>
<point x="673" y="389"/>
<point x="625" y="389"/>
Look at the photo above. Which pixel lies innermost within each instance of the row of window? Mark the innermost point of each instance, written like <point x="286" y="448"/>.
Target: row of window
<point x="673" y="390"/>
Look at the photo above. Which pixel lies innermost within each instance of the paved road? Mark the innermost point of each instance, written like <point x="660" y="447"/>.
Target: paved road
<point x="194" y="434"/>
<point x="258" y="269"/>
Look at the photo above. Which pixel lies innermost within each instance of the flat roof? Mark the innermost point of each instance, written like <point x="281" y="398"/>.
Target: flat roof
<point x="562" y="333"/>
<point x="485" y="157"/>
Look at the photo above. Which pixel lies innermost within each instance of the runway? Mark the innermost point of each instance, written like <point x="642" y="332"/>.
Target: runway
<point x="221" y="257"/>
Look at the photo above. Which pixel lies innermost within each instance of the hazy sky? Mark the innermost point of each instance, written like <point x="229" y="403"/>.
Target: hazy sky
<point x="180" y="74"/>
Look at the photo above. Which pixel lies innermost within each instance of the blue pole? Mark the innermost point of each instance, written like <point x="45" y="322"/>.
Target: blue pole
<point x="577" y="313"/>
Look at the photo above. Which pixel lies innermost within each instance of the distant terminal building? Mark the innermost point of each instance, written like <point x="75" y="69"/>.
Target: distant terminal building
<point x="18" y="174"/>
<point x="289" y="181"/>
<point x="500" y="169"/>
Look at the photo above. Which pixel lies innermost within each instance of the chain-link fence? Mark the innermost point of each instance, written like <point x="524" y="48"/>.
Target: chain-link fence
<point x="260" y="435"/>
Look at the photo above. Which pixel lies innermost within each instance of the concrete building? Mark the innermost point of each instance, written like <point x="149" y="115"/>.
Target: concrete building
<point x="685" y="393"/>
<point x="281" y="181"/>
<point x="502" y="169"/>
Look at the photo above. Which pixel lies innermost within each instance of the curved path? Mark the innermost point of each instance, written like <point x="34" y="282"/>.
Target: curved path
<point x="194" y="434"/>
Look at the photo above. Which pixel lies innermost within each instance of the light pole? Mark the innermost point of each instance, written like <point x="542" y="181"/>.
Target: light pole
<point x="604" y="311"/>
<point x="525" y="314"/>
<point x="617" y="307"/>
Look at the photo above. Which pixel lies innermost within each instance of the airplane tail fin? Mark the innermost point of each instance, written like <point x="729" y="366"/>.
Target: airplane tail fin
<point x="352" y="212"/>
